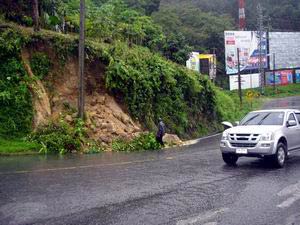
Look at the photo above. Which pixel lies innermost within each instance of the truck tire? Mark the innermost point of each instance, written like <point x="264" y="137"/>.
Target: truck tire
<point x="281" y="155"/>
<point x="230" y="159"/>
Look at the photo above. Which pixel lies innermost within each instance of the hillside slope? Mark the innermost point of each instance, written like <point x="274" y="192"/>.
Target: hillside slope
<point x="56" y="96"/>
<point x="127" y="88"/>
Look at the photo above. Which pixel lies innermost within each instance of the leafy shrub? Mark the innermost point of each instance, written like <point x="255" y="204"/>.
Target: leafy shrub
<point x="57" y="138"/>
<point x="153" y="87"/>
<point x="10" y="43"/>
<point x="40" y="65"/>
<point x="144" y="142"/>
<point x="93" y="147"/>
<point x="226" y="107"/>
<point x="15" y="99"/>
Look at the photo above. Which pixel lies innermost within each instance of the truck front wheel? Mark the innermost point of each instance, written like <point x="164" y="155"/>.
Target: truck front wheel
<point x="280" y="157"/>
<point x="230" y="159"/>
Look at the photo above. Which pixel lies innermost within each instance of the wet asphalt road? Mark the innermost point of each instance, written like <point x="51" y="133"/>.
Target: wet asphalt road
<point x="189" y="185"/>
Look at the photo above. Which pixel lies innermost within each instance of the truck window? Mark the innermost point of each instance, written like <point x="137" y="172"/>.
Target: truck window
<point x="298" y="117"/>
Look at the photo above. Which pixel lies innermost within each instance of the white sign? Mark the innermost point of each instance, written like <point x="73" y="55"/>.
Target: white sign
<point x="247" y="80"/>
<point x="248" y="44"/>
<point x="194" y="62"/>
<point x="285" y="46"/>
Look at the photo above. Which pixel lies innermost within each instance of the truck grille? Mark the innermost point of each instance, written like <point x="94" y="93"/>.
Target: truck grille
<point x="243" y="145"/>
<point x="244" y="137"/>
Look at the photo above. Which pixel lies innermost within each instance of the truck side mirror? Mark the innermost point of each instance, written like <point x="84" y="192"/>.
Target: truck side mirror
<point x="227" y="125"/>
<point x="291" y="123"/>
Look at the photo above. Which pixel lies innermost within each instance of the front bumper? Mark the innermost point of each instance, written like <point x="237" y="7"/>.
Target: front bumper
<point x="261" y="149"/>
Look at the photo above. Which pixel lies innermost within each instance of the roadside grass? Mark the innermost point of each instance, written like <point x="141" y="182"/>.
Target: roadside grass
<point x="283" y="91"/>
<point x="18" y="147"/>
<point x="257" y="102"/>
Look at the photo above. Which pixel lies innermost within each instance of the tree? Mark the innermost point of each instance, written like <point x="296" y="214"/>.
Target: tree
<point x="203" y="31"/>
<point x="176" y="48"/>
<point x="146" y="6"/>
<point x="114" y="20"/>
<point x="36" y="19"/>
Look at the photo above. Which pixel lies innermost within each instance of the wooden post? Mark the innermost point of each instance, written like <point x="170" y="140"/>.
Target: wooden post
<point x="239" y="77"/>
<point x="274" y="76"/>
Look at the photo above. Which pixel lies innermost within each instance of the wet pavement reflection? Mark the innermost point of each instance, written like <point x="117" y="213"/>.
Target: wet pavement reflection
<point x="186" y="185"/>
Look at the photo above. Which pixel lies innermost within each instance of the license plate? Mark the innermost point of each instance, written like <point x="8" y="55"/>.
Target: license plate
<point x="241" y="151"/>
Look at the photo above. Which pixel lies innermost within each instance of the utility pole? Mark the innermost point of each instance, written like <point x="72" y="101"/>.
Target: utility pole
<point x="215" y="64"/>
<point x="81" y="57"/>
<point x="242" y="27"/>
<point x="260" y="33"/>
<point x="239" y="77"/>
<point x="242" y="15"/>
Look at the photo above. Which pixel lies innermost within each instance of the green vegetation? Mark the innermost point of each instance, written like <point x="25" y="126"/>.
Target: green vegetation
<point x="106" y="21"/>
<point x="153" y="87"/>
<point x="17" y="146"/>
<point x="93" y="148"/>
<point x="283" y="91"/>
<point x="238" y="112"/>
<point x="280" y="92"/>
<point x="137" y="42"/>
<point x="201" y="30"/>
<point x="144" y="142"/>
<point x="40" y="65"/>
<point x="185" y="23"/>
<point x="15" y="99"/>
<point x="59" y="137"/>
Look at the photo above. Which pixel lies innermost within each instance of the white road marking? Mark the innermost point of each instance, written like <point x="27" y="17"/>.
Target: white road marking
<point x="202" y="217"/>
<point x="293" y="191"/>
<point x="290" y="201"/>
<point x="290" y="190"/>
<point x="211" y="223"/>
<point x="192" y="142"/>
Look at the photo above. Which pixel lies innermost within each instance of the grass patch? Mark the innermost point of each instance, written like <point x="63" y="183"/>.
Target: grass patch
<point x="15" y="147"/>
<point x="240" y="111"/>
<point x="283" y="91"/>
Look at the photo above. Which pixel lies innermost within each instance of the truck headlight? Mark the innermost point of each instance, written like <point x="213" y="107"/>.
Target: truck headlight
<point x="224" y="136"/>
<point x="267" y="137"/>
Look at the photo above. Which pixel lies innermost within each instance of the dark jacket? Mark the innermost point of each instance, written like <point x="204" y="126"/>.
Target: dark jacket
<point x="161" y="129"/>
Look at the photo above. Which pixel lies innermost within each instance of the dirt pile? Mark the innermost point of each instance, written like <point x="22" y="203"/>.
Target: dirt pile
<point x="106" y="119"/>
<point x="41" y="103"/>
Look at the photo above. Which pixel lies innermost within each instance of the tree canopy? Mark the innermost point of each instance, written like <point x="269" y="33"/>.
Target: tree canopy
<point x="171" y="27"/>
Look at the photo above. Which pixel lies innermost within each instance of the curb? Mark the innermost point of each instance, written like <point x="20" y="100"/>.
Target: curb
<point x="192" y="142"/>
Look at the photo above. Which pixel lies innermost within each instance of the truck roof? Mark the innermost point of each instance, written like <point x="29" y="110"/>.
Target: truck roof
<point x="278" y="110"/>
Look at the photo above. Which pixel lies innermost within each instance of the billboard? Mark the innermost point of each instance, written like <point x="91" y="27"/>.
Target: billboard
<point x="285" y="46"/>
<point x="194" y="62"/>
<point x="247" y="81"/>
<point x="248" y="43"/>
<point x="297" y="76"/>
<point x="283" y="77"/>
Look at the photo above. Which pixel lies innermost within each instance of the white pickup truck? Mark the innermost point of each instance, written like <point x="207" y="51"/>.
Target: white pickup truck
<point x="270" y="134"/>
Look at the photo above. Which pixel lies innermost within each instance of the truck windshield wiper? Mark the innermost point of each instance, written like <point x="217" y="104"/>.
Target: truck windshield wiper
<point x="249" y="120"/>
<point x="265" y="117"/>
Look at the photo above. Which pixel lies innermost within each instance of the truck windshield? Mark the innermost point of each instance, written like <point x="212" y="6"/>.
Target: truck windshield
<point x="263" y="118"/>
